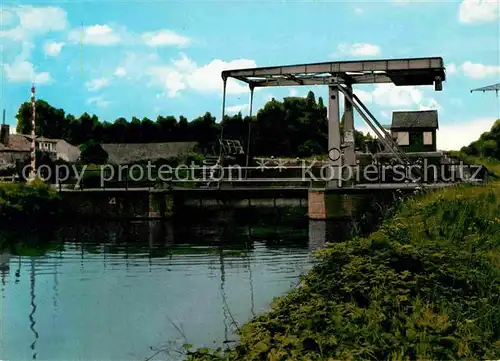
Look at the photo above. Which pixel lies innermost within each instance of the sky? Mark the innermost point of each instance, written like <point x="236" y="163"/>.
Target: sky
<point x="149" y="58"/>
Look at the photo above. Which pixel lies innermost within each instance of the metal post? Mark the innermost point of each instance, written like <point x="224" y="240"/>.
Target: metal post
<point x="32" y="175"/>
<point x="221" y="164"/>
<point x="350" y="155"/>
<point x="334" y="152"/>
<point x="222" y="117"/>
<point x="249" y="129"/>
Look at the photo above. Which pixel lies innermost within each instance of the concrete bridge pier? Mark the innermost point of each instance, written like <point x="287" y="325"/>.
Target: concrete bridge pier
<point x="324" y="204"/>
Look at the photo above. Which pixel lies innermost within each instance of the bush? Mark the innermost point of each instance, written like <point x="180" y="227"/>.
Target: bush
<point x="426" y="285"/>
<point x="22" y="204"/>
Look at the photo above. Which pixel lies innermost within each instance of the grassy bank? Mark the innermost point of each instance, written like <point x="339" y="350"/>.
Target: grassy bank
<point x="426" y="285"/>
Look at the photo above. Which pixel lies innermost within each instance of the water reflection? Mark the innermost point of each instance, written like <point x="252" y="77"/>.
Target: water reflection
<point x="33" y="308"/>
<point x="114" y="290"/>
<point x="4" y="268"/>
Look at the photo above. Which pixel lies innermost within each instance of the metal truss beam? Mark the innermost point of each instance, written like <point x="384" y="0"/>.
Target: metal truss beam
<point x="416" y="71"/>
<point x="494" y="87"/>
<point x="323" y="80"/>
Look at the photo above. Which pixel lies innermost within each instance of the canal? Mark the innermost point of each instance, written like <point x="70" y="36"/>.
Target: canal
<point x="130" y="290"/>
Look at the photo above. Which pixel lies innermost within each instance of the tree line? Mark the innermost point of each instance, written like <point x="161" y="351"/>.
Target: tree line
<point x="295" y="126"/>
<point x="488" y="144"/>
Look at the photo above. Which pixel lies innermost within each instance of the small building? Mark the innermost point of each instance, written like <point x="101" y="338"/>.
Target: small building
<point x="46" y="145"/>
<point x="415" y="131"/>
<point x="15" y="148"/>
<point x="55" y="148"/>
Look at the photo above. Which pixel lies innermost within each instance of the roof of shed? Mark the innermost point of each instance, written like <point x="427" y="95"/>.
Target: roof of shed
<point x="125" y="153"/>
<point x="415" y="119"/>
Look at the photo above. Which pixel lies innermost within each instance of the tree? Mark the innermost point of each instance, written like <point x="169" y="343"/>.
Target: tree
<point x="50" y="122"/>
<point x="487" y="144"/>
<point x="291" y="127"/>
<point x="92" y="153"/>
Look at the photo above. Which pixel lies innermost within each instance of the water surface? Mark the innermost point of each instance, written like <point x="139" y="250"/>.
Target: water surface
<point x="115" y="292"/>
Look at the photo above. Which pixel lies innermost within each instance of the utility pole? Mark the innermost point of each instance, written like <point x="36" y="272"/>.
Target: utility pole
<point x="32" y="175"/>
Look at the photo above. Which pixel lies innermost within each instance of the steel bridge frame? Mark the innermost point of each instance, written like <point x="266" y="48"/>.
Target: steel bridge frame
<point x="340" y="77"/>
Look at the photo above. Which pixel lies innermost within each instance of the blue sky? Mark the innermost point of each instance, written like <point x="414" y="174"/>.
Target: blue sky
<point x="165" y="58"/>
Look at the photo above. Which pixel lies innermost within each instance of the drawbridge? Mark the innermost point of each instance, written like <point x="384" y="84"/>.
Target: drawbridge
<point x="340" y="77"/>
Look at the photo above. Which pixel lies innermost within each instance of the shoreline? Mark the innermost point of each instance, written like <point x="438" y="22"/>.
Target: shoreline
<point x="423" y="286"/>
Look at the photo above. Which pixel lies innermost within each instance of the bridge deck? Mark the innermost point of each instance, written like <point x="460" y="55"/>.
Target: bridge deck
<point x="351" y="189"/>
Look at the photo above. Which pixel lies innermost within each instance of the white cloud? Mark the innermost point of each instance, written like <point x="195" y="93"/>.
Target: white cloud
<point x="293" y="92"/>
<point x="120" y="72"/>
<point x="451" y="68"/>
<point x="169" y="78"/>
<point x="478" y="11"/>
<point x="457" y="135"/>
<point x="113" y="34"/>
<point x="164" y="38"/>
<point x="358" y="11"/>
<point x="234" y="109"/>
<point x="24" y="71"/>
<point x="53" y="48"/>
<point x="99" y="101"/>
<point x="359" y="49"/>
<point x="479" y="71"/>
<point x="101" y="35"/>
<point x="363" y="95"/>
<point x="184" y="63"/>
<point x="42" y="19"/>
<point x="398" y="97"/>
<point x="183" y="73"/>
<point x="24" y="23"/>
<point x="208" y="77"/>
<point x="96" y="84"/>
<point x="136" y="64"/>
<point x="31" y="21"/>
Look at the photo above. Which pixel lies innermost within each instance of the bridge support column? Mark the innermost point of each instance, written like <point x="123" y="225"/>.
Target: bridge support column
<point x="349" y="151"/>
<point x="334" y="151"/>
<point x="323" y="204"/>
<point x="160" y="205"/>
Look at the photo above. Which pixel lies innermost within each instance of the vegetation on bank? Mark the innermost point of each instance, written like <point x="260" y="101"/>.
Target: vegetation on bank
<point x="488" y="144"/>
<point x="426" y="285"/>
<point x="24" y="204"/>
<point x="485" y="150"/>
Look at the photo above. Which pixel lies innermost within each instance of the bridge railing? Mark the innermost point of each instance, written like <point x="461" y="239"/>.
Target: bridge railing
<point x="292" y="176"/>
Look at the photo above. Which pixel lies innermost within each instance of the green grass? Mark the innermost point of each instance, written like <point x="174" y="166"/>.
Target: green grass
<point x="492" y="164"/>
<point x="426" y="285"/>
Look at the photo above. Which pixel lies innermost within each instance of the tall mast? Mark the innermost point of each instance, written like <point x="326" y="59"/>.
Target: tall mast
<point x="33" y="135"/>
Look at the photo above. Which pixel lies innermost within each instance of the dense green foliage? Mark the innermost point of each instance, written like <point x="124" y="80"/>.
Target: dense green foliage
<point x="426" y="285"/>
<point x="488" y="144"/>
<point x="23" y="205"/>
<point x="292" y="127"/>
